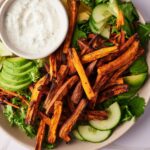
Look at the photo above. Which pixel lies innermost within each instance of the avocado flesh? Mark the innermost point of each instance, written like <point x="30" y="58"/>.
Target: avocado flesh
<point x="11" y="81"/>
<point x="14" y="87"/>
<point x="15" y="62"/>
<point x="21" y="69"/>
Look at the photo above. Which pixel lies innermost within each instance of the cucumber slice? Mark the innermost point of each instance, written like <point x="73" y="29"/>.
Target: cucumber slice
<point x="101" y="12"/>
<point x="93" y="29"/>
<point x="93" y="135"/>
<point x="77" y="135"/>
<point x="136" y="80"/>
<point x="113" y="7"/>
<point x="106" y="32"/>
<point x="112" y="121"/>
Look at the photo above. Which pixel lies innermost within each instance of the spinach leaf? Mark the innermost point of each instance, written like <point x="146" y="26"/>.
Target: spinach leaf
<point x="139" y="66"/>
<point x="77" y="35"/>
<point x="129" y="11"/>
<point x="137" y="106"/>
<point x="144" y="33"/>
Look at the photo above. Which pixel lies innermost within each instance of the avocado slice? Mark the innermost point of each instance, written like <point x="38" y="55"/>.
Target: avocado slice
<point x="14" y="88"/>
<point x="136" y="80"/>
<point x="21" y="69"/>
<point x="22" y="74"/>
<point x="10" y="81"/>
<point x="15" y="62"/>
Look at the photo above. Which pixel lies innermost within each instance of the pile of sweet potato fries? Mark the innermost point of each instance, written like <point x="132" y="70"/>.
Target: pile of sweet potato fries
<point x="78" y="80"/>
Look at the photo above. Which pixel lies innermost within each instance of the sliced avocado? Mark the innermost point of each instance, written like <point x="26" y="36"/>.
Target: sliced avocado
<point x="21" y="69"/>
<point x="10" y="81"/>
<point x="136" y="80"/>
<point x="22" y="74"/>
<point x="13" y="77"/>
<point x="13" y="87"/>
<point x="15" y="62"/>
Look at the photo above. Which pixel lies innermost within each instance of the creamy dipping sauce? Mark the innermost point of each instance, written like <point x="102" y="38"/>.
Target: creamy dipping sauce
<point x="33" y="25"/>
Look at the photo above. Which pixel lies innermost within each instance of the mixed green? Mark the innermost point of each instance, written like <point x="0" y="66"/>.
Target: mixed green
<point x="112" y="23"/>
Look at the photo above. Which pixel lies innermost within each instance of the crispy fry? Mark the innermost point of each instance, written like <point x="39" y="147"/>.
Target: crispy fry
<point x="120" y="61"/>
<point x="122" y="49"/>
<point x="94" y="115"/>
<point x="73" y="11"/>
<point x="122" y="37"/>
<point x="40" y="135"/>
<point x="70" y="105"/>
<point x="72" y="69"/>
<point x="124" y="68"/>
<point x="46" y="119"/>
<point x="55" y="121"/>
<point x="23" y="99"/>
<point x="31" y="87"/>
<point x="46" y="66"/>
<point x="84" y="80"/>
<point x="68" y="125"/>
<point x="78" y="91"/>
<point x="8" y="103"/>
<point x="35" y="100"/>
<point x="62" y="91"/>
<point x="98" y="54"/>
<point x="116" y="90"/>
<point x="62" y="73"/>
<point x="53" y="66"/>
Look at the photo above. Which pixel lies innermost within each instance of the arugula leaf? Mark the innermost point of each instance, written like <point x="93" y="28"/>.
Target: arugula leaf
<point x="137" y="106"/>
<point x="128" y="28"/>
<point x="84" y="27"/>
<point x="139" y="66"/>
<point x="144" y="33"/>
<point x="129" y="11"/>
<point x="77" y="35"/>
<point x="126" y="114"/>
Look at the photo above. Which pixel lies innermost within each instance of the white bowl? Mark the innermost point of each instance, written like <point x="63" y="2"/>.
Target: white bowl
<point x="27" y="54"/>
<point x="19" y="136"/>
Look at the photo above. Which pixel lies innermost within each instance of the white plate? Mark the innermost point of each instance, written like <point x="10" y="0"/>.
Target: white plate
<point x="19" y="136"/>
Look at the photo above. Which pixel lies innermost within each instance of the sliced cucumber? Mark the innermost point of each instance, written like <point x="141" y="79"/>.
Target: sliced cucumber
<point x="112" y="121"/>
<point x="136" y="80"/>
<point x="77" y="135"/>
<point x="113" y="7"/>
<point x="92" y="27"/>
<point x="106" y="32"/>
<point x="101" y="12"/>
<point x="93" y="135"/>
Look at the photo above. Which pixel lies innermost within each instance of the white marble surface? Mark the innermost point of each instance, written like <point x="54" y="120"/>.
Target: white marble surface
<point x="138" y="138"/>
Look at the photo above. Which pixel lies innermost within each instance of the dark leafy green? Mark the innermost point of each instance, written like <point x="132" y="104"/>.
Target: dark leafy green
<point x="137" y="106"/>
<point x="139" y="66"/>
<point x="90" y="3"/>
<point x="144" y="33"/>
<point x="16" y="117"/>
<point x="101" y="1"/>
<point x="77" y="35"/>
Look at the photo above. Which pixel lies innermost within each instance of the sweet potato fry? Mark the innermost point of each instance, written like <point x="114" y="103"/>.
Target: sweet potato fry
<point x="122" y="37"/>
<point x="116" y="90"/>
<point x="35" y="100"/>
<point x="73" y="11"/>
<point x="68" y="125"/>
<point x="53" y="66"/>
<point x="84" y="80"/>
<point x="95" y="115"/>
<point x="122" y="49"/>
<point x="120" y="61"/>
<point x="78" y="91"/>
<point x="40" y="135"/>
<point x="124" y="68"/>
<point x="71" y="67"/>
<point x="9" y="93"/>
<point x="70" y="105"/>
<point x="46" y="119"/>
<point x="98" y="54"/>
<point x="62" y="73"/>
<point x="55" y="121"/>
<point x="62" y="91"/>
<point x="2" y="100"/>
